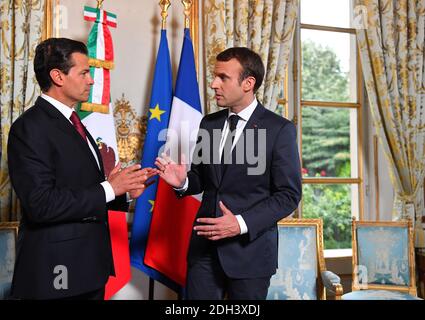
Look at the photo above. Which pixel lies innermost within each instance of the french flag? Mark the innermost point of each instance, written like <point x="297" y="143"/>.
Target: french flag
<point x="172" y="219"/>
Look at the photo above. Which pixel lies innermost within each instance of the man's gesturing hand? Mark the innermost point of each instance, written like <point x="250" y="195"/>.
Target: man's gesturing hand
<point x="173" y="173"/>
<point x="218" y="228"/>
<point x="129" y="179"/>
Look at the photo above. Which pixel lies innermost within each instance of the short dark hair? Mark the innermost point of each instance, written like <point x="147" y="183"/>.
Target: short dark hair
<point x="55" y="53"/>
<point x="252" y="65"/>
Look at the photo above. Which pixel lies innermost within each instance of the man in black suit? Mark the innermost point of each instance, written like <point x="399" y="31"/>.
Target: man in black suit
<point x="64" y="248"/>
<point x="233" y="249"/>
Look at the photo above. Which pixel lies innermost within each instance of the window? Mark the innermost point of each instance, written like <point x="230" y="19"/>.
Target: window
<point x="326" y="84"/>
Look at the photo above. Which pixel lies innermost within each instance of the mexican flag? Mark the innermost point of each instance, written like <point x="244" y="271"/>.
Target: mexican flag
<point x="97" y="115"/>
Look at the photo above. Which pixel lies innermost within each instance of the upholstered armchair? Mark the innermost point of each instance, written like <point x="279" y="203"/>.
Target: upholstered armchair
<point x="383" y="261"/>
<point x="301" y="273"/>
<point x="8" y="236"/>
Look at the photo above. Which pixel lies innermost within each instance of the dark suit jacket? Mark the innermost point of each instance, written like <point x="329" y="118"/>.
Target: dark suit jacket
<point x="261" y="199"/>
<point x="64" y="220"/>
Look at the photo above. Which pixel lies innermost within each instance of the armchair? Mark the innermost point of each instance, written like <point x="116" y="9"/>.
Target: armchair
<point x="301" y="273"/>
<point x="383" y="261"/>
<point x="8" y="236"/>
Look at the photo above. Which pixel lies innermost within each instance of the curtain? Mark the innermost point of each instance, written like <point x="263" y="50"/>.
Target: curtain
<point x="391" y="45"/>
<point x="21" y="30"/>
<point x="265" y="26"/>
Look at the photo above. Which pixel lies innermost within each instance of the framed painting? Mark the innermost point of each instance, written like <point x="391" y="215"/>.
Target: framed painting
<point x="8" y="237"/>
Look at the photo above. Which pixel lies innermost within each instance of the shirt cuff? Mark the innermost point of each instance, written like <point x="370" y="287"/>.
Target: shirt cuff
<point x="242" y="224"/>
<point x="109" y="192"/>
<point x="127" y="196"/>
<point x="184" y="188"/>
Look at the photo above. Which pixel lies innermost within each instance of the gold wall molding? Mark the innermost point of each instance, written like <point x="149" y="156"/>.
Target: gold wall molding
<point x="48" y="19"/>
<point x="376" y="174"/>
<point x="194" y="31"/>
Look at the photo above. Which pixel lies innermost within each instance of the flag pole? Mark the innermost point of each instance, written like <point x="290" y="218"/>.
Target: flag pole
<point x="164" y="4"/>
<point x="187" y="11"/>
<point x="151" y="288"/>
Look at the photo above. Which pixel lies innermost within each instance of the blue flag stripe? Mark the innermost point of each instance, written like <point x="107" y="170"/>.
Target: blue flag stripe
<point x="186" y="77"/>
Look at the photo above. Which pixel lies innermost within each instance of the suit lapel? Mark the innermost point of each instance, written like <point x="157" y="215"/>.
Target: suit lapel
<point x="253" y="123"/>
<point x="215" y="148"/>
<point x="65" y="126"/>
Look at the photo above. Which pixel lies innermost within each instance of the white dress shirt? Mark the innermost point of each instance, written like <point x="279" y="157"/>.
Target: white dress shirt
<point x="66" y="112"/>
<point x="244" y="116"/>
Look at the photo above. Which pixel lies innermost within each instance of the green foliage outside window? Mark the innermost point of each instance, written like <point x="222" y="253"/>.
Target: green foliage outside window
<point x="333" y="205"/>
<point x="326" y="144"/>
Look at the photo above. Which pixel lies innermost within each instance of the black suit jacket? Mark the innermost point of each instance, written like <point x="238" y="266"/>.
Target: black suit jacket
<point x="261" y="199"/>
<point x="64" y="222"/>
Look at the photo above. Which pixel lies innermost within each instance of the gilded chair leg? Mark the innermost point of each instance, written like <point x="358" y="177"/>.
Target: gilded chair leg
<point x="339" y="291"/>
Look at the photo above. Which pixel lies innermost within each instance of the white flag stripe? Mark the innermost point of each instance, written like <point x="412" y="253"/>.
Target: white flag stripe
<point x="90" y="14"/>
<point x="111" y="19"/>
<point x="97" y="91"/>
<point x="183" y="129"/>
<point x="102" y="126"/>
<point x="185" y="122"/>
<point x="100" y="45"/>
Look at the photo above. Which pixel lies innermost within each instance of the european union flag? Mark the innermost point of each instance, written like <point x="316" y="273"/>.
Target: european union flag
<point x="158" y="118"/>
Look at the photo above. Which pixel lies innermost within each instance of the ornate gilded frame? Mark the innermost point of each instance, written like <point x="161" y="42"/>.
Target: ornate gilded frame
<point x="411" y="289"/>
<point x="10" y="226"/>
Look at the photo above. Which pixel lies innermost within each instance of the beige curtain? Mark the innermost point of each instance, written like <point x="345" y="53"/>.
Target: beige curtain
<point x="21" y="28"/>
<point x="391" y="44"/>
<point x="266" y="26"/>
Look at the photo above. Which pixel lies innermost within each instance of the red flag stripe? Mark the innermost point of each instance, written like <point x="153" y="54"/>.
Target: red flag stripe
<point x="121" y="253"/>
<point x="170" y="233"/>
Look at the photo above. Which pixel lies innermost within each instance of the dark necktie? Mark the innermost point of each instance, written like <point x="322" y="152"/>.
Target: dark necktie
<point x="227" y="149"/>
<point x="75" y="119"/>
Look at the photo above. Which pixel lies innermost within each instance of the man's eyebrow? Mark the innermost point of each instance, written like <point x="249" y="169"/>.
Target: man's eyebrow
<point x="221" y="74"/>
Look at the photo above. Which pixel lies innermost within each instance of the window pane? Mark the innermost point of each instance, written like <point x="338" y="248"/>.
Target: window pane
<point x="328" y="66"/>
<point x="329" y="142"/>
<point x="334" y="13"/>
<point x="332" y="203"/>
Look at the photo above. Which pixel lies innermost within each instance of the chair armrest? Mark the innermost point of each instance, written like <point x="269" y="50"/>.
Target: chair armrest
<point x="333" y="283"/>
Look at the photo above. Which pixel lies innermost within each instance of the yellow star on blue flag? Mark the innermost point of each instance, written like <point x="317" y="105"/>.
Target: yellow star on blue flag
<point x="152" y="202"/>
<point x="156" y="113"/>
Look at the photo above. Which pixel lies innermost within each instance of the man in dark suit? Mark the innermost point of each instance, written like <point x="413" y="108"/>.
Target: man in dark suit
<point x="233" y="249"/>
<point x="64" y="248"/>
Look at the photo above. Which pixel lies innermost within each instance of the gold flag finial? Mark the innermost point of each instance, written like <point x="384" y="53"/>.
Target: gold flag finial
<point x="187" y="7"/>
<point x="99" y="3"/>
<point x="164" y="4"/>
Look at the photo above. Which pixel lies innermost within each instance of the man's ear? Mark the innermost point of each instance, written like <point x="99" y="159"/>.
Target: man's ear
<point x="57" y="77"/>
<point x="248" y="84"/>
